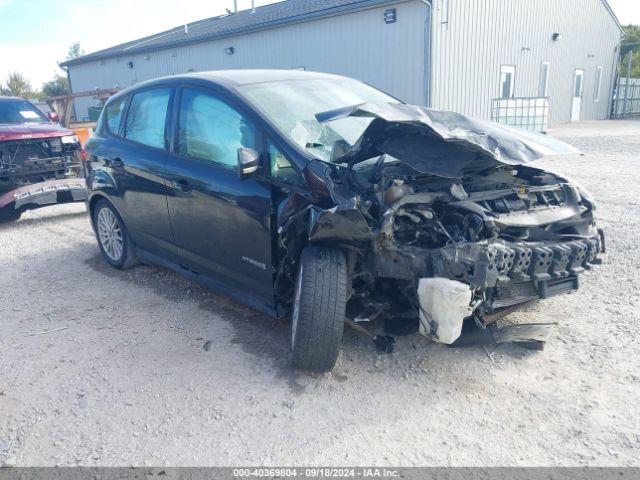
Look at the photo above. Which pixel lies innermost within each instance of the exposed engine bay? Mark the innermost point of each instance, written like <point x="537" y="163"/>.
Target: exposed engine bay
<point x="508" y="235"/>
<point x="444" y="222"/>
<point x="40" y="171"/>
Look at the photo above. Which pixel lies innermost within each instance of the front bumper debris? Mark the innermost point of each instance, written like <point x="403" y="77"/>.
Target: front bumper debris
<point x="548" y="267"/>
<point x="65" y="190"/>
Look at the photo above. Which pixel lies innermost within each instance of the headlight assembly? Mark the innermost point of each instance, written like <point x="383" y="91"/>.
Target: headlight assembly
<point x="69" y="139"/>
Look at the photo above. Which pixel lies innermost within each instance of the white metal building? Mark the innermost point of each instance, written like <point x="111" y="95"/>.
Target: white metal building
<point x="471" y="56"/>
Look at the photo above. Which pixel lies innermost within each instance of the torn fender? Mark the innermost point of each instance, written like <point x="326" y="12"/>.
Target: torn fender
<point x="441" y="143"/>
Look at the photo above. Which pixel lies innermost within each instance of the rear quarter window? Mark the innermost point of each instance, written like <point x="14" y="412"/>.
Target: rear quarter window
<point x="147" y="116"/>
<point x="113" y="115"/>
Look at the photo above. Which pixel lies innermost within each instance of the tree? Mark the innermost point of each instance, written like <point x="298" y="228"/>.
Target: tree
<point x="17" y="85"/>
<point x="75" y="51"/>
<point x="631" y="42"/>
<point x="58" y="86"/>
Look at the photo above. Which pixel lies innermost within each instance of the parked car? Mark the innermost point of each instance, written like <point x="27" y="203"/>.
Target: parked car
<point x="39" y="160"/>
<point x="320" y="197"/>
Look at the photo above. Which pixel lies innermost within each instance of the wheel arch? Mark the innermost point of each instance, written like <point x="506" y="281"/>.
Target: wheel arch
<point x="95" y="198"/>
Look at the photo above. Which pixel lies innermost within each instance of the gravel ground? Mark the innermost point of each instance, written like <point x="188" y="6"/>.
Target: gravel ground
<point x="122" y="376"/>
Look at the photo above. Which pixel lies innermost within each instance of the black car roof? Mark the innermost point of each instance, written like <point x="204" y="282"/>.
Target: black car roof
<point x="230" y="79"/>
<point x="234" y="78"/>
<point x="245" y="77"/>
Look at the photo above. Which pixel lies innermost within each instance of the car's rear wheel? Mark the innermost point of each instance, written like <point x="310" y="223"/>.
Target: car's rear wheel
<point x="9" y="214"/>
<point x="113" y="238"/>
<point x="320" y="299"/>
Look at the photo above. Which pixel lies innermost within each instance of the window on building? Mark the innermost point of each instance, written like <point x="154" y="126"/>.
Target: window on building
<point x="147" y="116"/>
<point x="544" y="80"/>
<point x="507" y="81"/>
<point x="113" y="115"/>
<point x="211" y="130"/>
<point x="578" y="81"/>
<point x="598" y="85"/>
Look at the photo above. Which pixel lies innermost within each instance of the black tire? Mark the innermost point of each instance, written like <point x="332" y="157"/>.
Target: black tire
<point x="124" y="257"/>
<point x="9" y="214"/>
<point x="320" y="299"/>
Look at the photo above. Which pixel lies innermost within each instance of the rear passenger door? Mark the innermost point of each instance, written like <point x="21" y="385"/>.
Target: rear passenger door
<point x="137" y="163"/>
<point x="221" y="224"/>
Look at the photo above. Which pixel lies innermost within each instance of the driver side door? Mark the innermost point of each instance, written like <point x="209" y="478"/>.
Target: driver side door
<point x="221" y="224"/>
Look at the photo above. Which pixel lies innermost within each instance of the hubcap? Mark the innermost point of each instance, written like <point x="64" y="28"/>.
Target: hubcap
<point x="296" y="308"/>
<point x="110" y="234"/>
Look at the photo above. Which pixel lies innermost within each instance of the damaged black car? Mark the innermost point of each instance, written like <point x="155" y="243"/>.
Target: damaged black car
<point x="321" y="198"/>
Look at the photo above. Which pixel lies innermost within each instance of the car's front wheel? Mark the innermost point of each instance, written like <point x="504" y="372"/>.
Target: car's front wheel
<point x="113" y="238"/>
<point x="320" y="299"/>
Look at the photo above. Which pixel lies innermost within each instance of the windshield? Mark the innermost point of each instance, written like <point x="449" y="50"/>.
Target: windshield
<point x="292" y="106"/>
<point x="20" y="111"/>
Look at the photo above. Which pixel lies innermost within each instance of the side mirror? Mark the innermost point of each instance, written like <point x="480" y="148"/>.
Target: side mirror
<point x="54" y="117"/>
<point x="248" y="162"/>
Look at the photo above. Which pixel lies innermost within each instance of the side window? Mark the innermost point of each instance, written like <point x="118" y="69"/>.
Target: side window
<point x="598" y="85"/>
<point x="544" y="80"/>
<point x="507" y="81"/>
<point x="210" y="130"/>
<point x="113" y="115"/>
<point x="281" y="167"/>
<point x="147" y="116"/>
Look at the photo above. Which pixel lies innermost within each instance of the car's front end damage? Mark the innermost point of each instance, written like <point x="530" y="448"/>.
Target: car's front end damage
<point x="443" y="221"/>
<point x="39" y="166"/>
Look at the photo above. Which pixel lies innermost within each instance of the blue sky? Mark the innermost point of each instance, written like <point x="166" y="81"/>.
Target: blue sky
<point x="35" y="34"/>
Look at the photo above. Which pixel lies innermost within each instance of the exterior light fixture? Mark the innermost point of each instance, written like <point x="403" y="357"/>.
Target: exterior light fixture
<point x="229" y="50"/>
<point x="390" y="16"/>
<point x="130" y="64"/>
<point x="556" y="37"/>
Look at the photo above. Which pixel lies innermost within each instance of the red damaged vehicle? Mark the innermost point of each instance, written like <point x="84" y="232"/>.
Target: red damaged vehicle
<point x="39" y="160"/>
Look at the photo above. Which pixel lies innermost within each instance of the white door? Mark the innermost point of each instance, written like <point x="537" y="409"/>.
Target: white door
<point x="576" y="105"/>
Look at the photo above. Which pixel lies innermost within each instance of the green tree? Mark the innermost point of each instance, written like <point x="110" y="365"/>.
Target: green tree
<point x="631" y="42"/>
<point x="58" y="86"/>
<point x="17" y="85"/>
<point x="75" y="51"/>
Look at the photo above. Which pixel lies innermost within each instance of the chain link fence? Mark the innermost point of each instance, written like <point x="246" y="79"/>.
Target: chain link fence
<point x="626" y="97"/>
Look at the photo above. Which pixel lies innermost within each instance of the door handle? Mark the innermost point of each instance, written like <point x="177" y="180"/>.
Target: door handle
<point x="182" y="185"/>
<point x="115" y="163"/>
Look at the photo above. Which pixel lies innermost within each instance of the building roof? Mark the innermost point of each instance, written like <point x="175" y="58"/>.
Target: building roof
<point x="268" y="16"/>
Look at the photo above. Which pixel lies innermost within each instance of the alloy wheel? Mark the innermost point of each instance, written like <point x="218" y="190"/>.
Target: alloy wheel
<point x="110" y="234"/>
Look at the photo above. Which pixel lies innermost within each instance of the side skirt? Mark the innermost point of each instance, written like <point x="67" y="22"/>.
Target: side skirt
<point x="211" y="283"/>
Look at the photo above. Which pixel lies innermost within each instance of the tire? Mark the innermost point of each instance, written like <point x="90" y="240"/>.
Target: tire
<point x="320" y="299"/>
<point x="9" y="214"/>
<point x="113" y="238"/>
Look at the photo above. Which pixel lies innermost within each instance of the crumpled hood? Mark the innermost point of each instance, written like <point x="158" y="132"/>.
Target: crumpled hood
<point x="32" y="130"/>
<point x="440" y="142"/>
